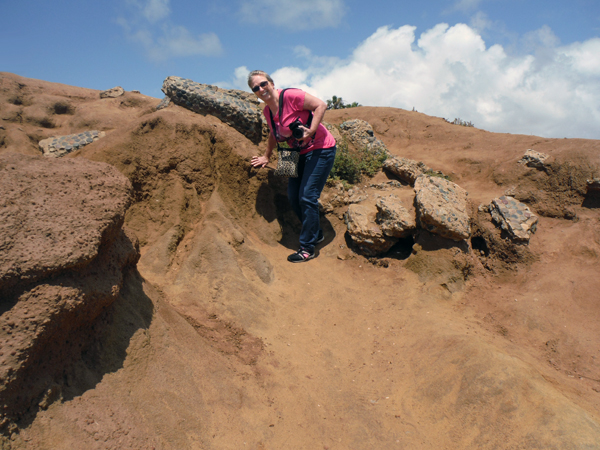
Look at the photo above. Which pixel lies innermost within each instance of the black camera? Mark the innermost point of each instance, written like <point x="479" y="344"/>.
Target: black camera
<point x="297" y="132"/>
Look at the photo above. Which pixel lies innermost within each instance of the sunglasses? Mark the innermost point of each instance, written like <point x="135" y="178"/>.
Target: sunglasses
<point x="261" y="85"/>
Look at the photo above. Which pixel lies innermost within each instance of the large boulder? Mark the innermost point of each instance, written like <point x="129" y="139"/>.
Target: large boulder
<point x="442" y="207"/>
<point x="54" y="214"/>
<point x="366" y="235"/>
<point x="241" y="110"/>
<point x="393" y="218"/>
<point x="63" y="254"/>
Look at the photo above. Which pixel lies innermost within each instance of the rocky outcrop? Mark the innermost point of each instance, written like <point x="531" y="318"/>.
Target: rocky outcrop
<point x="513" y="217"/>
<point x="442" y="207"/>
<point x="378" y="221"/>
<point x="531" y="158"/>
<point x="360" y="134"/>
<point x="62" y="145"/>
<point x="115" y="92"/>
<point x="238" y="109"/>
<point x="63" y="253"/>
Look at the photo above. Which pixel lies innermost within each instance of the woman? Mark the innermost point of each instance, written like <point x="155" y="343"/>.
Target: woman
<point x="317" y="154"/>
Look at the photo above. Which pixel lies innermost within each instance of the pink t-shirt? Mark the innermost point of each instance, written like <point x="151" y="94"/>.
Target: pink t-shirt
<point x="293" y="102"/>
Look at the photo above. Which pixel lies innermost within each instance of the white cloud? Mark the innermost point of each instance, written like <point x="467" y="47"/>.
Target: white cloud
<point x="449" y="72"/>
<point x="155" y="10"/>
<point x="464" y="6"/>
<point x="150" y="10"/>
<point x="148" y="26"/>
<point x="239" y="81"/>
<point x="289" y="76"/>
<point x="480" y="21"/>
<point x="293" y="15"/>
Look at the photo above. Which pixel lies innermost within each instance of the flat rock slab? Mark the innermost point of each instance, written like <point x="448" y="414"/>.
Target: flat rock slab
<point x="442" y="207"/>
<point x="513" y="217"/>
<point x="393" y="218"/>
<point x="238" y="109"/>
<point x="405" y="169"/>
<point x="58" y="146"/>
<point x="54" y="214"/>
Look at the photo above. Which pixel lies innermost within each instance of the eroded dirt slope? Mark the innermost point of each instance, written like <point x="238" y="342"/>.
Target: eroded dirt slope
<point x="232" y="347"/>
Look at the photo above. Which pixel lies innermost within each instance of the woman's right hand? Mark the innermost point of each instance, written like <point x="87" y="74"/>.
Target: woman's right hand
<point x="259" y="161"/>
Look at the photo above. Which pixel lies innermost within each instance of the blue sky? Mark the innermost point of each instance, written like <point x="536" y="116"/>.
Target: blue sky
<point x="515" y="66"/>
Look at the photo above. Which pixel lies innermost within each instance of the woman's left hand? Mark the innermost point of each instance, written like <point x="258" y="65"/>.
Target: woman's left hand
<point x="259" y="161"/>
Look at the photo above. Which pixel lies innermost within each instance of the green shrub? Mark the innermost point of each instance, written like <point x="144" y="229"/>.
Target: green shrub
<point x="437" y="173"/>
<point x="350" y="166"/>
<point x="337" y="103"/>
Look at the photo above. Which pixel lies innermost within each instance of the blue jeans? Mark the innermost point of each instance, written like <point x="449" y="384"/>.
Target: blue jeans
<point x="304" y="192"/>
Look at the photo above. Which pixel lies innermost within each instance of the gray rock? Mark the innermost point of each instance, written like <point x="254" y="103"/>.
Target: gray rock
<point x="238" y="109"/>
<point x="58" y="146"/>
<point x="393" y="218"/>
<point x="365" y="233"/>
<point x="442" y="207"/>
<point x="405" y="169"/>
<point x="531" y="158"/>
<point x="361" y="136"/>
<point x="514" y="217"/>
<point x="117" y="91"/>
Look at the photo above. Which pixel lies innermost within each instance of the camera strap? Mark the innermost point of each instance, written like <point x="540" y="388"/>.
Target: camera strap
<point x="308" y="122"/>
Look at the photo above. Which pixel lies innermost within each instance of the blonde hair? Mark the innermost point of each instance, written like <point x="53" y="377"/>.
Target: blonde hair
<point x="258" y="72"/>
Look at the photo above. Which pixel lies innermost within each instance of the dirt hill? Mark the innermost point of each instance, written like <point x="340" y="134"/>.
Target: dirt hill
<point x="217" y="342"/>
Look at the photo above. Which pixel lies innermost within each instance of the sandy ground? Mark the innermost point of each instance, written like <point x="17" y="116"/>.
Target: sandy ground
<point x="218" y="343"/>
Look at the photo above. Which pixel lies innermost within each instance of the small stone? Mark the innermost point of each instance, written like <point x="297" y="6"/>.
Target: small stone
<point x="593" y="185"/>
<point x="112" y="93"/>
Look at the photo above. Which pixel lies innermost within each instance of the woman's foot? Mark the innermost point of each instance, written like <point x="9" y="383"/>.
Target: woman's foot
<point x="301" y="255"/>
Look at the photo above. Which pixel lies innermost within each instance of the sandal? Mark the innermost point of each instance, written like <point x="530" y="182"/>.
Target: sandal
<point x="301" y="255"/>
